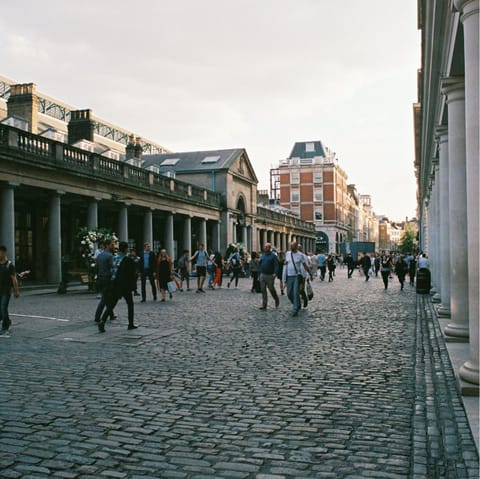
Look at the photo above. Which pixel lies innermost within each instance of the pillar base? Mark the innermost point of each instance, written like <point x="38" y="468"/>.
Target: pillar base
<point x="468" y="376"/>
<point x="444" y="311"/>
<point x="436" y="298"/>
<point x="456" y="332"/>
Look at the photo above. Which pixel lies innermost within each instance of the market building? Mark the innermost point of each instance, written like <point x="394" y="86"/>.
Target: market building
<point x="63" y="169"/>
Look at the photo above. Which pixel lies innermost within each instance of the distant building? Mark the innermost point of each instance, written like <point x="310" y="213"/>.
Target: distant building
<point x="311" y="183"/>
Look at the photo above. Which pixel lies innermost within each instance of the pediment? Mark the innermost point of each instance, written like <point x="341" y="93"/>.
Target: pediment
<point x="242" y="168"/>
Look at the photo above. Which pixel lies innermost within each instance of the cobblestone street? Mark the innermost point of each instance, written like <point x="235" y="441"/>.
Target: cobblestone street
<point x="209" y="386"/>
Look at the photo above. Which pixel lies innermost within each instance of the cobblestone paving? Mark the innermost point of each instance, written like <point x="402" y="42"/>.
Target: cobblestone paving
<point x="211" y="387"/>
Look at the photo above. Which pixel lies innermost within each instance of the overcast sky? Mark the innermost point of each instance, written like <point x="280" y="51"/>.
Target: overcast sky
<point x="256" y="74"/>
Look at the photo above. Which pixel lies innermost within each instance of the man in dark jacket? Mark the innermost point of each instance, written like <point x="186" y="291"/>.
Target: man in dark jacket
<point x="147" y="266"/>
<point x="123" y="284"/>
<point x="366" y="263"/>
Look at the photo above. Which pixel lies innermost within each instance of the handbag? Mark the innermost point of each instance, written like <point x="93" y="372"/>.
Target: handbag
<point x="172" y="286"/>
<point x="309" y="290"/>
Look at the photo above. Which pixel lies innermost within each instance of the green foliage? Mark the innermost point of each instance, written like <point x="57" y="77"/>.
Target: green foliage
<point x="408" y="241"/>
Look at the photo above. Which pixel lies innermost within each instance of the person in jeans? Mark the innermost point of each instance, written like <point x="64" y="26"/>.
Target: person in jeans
<point x="104" y="274"/>
<point x="292" y="275"/>
<point x="147" y="266"/>
<point x="201" y="258"/>
<point x="8" y="280"/>
<point x="268" y="270"/>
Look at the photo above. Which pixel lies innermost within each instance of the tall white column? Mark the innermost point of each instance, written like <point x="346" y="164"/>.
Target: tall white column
<point x="169" y="245"/>
<point x="203" y="233"/>
<point x="147" y="228"/>
<point x="470" y="19"/>
<point x="244" y="238"/>
<point x="54" y="240"/>
<point x="442" y="138"/>
<point x="436" y="228"/>
<point x="92" y="215"/>
<point x="123" y="223"/>
<point x="187" y="234"/>
<point x="7" y="225"/>
<point x="216" y="236"/>
<point x="458" y="327"/>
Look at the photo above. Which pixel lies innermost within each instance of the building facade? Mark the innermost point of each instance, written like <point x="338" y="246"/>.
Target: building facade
<point x="447" y="166"/>
<point x="71" y="170"/>
<point x="311" y="184"/>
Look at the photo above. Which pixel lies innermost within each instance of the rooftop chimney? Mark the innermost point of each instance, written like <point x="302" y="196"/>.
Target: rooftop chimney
<point x="23" y="103"/>
<point x="81" y="126"/>
<point x="138" y="149"/>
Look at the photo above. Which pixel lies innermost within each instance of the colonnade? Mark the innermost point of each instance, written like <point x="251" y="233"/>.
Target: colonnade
<point x="452" y="207"/>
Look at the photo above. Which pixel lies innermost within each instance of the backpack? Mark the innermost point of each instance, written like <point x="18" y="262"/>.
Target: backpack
<point x="234" y="260"/>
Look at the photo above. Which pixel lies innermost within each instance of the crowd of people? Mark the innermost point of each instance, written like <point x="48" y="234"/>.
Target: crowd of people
<point x="118" y="270"/>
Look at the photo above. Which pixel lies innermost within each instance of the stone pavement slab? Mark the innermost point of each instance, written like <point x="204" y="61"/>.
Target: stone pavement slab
<point x="211" y="387"/>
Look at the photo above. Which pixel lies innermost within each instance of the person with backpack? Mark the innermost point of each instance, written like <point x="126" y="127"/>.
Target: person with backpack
<point x="235" y="262"/>
<point x="8" y="280"/>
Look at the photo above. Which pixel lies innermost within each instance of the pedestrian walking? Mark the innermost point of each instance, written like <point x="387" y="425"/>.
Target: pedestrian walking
<point x="104" y="265"/>
<point x="218" y="266"/>
<point x="331" y="267"/>
<point x="292" y="275"/>
<point x="366" y="264"/>
<point x="281" y="263"/>
<point x="322" y="265"/>
<point x="385" y="269"/>
<point x="235" y="262"/>
<point x="376" y="264"/>
<point x="136" y="261"/>
<point x="268" y="270"/>
<point x="147" y="267"/>
<point x="350" y="265"/>
<point x="412" y="270"/>
<point x="201" y="260"/>
<point x="8" y="281"/>
<point x="401" y="270"/>
<point x="254" y="272"/>
<point x="122" y="286"/>
<point x="164" y="273"/>
<point x="183" y="265"/>
<point x="314" y="263"/>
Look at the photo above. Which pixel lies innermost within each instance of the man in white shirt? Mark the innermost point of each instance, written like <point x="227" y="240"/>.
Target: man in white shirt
<point x="423" y="261"/>
<point x="292" y="274"/>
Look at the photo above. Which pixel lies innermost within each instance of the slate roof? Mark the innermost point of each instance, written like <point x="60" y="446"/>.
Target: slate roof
<point x="299" y="149"/>
<point x="192" y="161"/>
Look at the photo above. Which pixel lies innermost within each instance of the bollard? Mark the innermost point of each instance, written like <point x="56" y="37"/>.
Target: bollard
<point x="423" y="281"/>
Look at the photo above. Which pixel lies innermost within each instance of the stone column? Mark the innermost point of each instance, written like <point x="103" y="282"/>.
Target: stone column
<point x="7" y="231"/>
<point x="444" y="256"/>
<point x="123" y="223"/>
<point x="245" y="238"/>
<point x="470" y="19"/>
<point x="203" y="233"/>
<point x="187" y="234"/>
<point x="458" y="327"/>
<point x="436" y="228"/>
<point x="216" y="236"/>
<point x="169" y="245"/>
<point x="263" y="238"/>
<point x="55" y="240"/>
<point x="147" y="228"/>
<point x="92" y="215"/>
